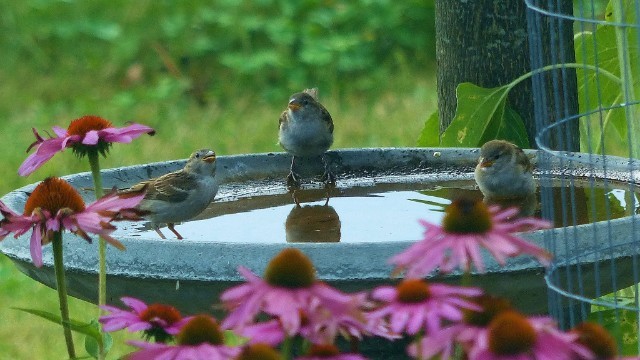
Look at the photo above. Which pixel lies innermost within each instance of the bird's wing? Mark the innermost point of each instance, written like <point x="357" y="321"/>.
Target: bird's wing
<point x="135" y="188"/>
<point x="326" y="117"/>
<point x="172" y="187"/>
<point x="523" y="160"/>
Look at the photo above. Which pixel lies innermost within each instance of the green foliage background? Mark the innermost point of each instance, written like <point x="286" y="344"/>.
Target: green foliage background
<point x="271" y="45"/>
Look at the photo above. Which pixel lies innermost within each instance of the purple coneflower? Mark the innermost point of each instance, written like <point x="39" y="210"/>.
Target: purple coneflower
<point x="84" y="134"/>
<point x="54" y="206"/>
<point x="442" y="343"/>
<point x="468" y="226"/>
<point x="158" y="321"/>
<point x="595" y="338"/>
<point x="199" y="339"/>
<point x="291" y="293"/>
<point x="512" y="336"/>
<point x="414" y="305"/>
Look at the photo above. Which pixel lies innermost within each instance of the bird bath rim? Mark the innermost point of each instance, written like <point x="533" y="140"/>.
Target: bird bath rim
<point x="216" y="261"/>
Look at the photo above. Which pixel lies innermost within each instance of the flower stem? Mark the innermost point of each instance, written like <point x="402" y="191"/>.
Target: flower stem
<point x="61" y="285"/>
<point x="466" y="280"/>
<point x="286" y="348"/>
<point x="94" y="163"/>
<point x="418" y="342"/>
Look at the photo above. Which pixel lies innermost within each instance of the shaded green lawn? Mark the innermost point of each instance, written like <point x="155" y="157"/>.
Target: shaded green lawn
<point x="65" y="59"/>
<point x="391" y="116"/>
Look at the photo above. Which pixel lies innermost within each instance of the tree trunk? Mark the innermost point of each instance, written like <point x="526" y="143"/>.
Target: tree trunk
<point x="486" y="42"/>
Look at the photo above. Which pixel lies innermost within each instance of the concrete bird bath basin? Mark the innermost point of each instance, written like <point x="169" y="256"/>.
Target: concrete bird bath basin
<point x="371" y="215"/>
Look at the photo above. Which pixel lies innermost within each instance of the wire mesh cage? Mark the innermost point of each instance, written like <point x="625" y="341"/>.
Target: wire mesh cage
<point x="586" y="94"/>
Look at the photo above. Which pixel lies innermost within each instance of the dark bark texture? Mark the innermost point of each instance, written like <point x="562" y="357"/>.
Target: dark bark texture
<point x="486" y="42"/>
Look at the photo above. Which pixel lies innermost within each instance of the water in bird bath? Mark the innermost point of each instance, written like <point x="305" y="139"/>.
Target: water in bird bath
<point x="381" y="194"/>
<point x="264" y="212"/>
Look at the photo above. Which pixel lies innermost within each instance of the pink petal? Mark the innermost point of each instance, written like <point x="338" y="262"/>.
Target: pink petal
<point x="125" y="134"/>
<point x="113" y="242"/>
<point x="384" y="293"/>
<point x="43" y="153"/>
<point x="137" y="305"/>
<point x="60" y="131"/>
<point x="6" y="211"/>
<point x="269" y="332"/>
<point x="236" y="293"/>
<point x="115" y="202"/>
<point x="87" y="222"/>
<point x="36" y="247"/>
<point x="415" y="321"/>
<point x="399" y="320"/>
<point x="91" y="137"/>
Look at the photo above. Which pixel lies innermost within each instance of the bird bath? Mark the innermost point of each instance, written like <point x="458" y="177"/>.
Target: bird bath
<point x="370" y="216"/>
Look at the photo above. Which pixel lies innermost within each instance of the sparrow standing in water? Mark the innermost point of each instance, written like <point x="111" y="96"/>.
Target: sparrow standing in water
<point x="180" y="195"/>
<point x="504" y="171"/>
<point x="306" y="130"/>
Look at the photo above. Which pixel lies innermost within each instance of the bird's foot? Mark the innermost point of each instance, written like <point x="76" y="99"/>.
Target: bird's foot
<point x="294" y="195"/>
<point x="329" y="179"/>
<point x="160" y="233"/>
<point x="171" y="227"/>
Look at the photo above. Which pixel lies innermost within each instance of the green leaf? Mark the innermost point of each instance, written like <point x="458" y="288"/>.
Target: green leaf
<point x="622" y="325"/>
<point x="594" y="90"/>
<point x="88" y="329"/>
<point x="482" y="115"/>
<point x="430" y="135"/>
<point x="599" y="47"/>
<point x="92" y="346"/>
<point x="233" y="339"/>
<point x="512" y="129"/>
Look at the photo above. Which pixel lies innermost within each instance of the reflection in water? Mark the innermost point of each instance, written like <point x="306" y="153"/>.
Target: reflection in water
<point x="313" y="223"/>
<point x="527" y="204"/>
<point x="372" y="212"/>
<point x="302" y="196"/>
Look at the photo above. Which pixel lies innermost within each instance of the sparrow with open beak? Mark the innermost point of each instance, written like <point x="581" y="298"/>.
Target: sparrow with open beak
<point x="180" y="195"/>
<point x="306" y="130"/>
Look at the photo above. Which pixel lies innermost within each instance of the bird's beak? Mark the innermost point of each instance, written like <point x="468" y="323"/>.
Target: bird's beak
<point x="210" y="157"/>
<point x="485" y="163"/>
<point x="294" y="106"/>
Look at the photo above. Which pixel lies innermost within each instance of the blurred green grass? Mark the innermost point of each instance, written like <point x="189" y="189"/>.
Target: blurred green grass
<point x="51" y="75"/>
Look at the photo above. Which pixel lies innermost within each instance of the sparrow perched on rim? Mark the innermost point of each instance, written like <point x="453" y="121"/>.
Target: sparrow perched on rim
<point x="306" y="130"/>
<point x="504" y="171"/>
<point x="180" y="195"/>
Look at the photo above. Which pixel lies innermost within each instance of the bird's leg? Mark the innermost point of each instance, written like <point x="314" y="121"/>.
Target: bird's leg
<point x="295" y="198"/>
<point x="157" y="229"/>
<point x="171" y="227"/>
<point x="293" y="180"/>
<point x="328" y="177"/>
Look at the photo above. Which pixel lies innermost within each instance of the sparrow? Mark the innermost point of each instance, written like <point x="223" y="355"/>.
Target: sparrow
<point x="504" y="171"/>
<point x="180" y="195"/>
<point x="306" y="130"/>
